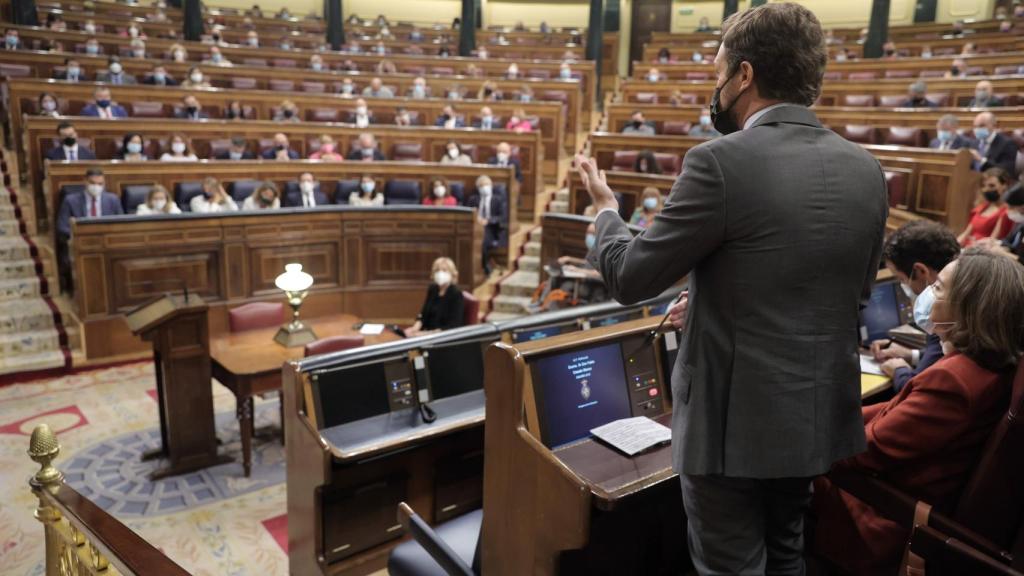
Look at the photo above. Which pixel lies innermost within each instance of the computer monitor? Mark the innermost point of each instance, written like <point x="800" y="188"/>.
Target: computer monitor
<point x="456" y="369"/>
<point x="888" y="308"/>
<point x="544" y="331"/>
<point x="660" y="309"/>
<point x="359" y="391"/>
<point x="586" y="387"/>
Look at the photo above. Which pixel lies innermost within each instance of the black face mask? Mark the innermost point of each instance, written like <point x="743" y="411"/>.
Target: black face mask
<point x="191" y="110"/>
<point x="721" y="119"/>
<point x="70" y="141"/>
<point x="990" y="195"/>
<point x="231" y="115"/>
<point x="637" y="124"/>
<point x="955" y="71"/>
<point x="279" y="147"/>
<point x="890" y="52"/>
<point x="289" y="113"/>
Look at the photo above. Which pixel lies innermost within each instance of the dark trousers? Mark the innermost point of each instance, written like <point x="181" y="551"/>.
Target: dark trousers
<point x="746" y="526"/>
<point x="492" y="240"/>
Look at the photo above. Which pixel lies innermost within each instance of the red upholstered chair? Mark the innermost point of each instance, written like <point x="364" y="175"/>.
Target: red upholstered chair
<point x="974" y="71"/>
<point x="899" y="73"/>
<point x="1008" y="99"/>
<point x="407" y="151"/>
<point x="322" y="114"/>
<point x="314" y="87"/>
<point x="896" y="183"/>
<point x="218" y="146"/>
<point x="333" y="344"/>
<point x="860" y="133"/>
<point x="471" y="309"/>
<point x="862" y="75"/>
<point x="697" y="76"/>
<point x="687" y="98"/>
<point x="624" y="160"/>
<point x="243" y="83"/>
<point x="554" y="96"/>
<point x="442" y="70"/>
<point x="284" y="63"/>
<point x="931" y="74"/>
<point x="282" y="85"/>
<point x="1005" y="69"/>
<point x="254" y="61"/>
<point x="833" y="75"/>
<point x="946" y="51"/>
<point x="646" y="97"/>
<point x="15" y="70"/>
<point x="148" y="110"/>
<point x="676" y="127"/>
<point x="859" y="100"/>
<point x="255" y="315"/>
<point x="669" y="163"/>
<point x="891" y="100"/>
<point x="416" y="70"/>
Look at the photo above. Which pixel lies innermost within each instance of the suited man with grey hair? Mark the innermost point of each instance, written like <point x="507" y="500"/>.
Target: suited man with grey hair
<point x="779" y="226"/>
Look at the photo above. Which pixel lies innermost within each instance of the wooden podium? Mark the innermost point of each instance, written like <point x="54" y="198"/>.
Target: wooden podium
<point x="177" y="327"/>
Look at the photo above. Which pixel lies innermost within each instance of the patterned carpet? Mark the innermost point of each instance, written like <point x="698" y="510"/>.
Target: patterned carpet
<point x="212" y="522"/>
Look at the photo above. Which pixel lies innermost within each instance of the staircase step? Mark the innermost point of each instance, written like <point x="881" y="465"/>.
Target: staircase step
<point x="536" y="234"/>
<point x="14" y="248"/>
<point x="30" y="362"/>
<point x="510" y="304"/>
<point x="17" y="269"/>
<point x="520" y="283"/>
<point x="25" y="316"/>
<point x="529" y="263"/>
<point x="531" y="249"/>
<point x="562" y="195"/>
<point x="31" y="342"/>
<point x="559" y="207"/>
<point x="19" y="288"/>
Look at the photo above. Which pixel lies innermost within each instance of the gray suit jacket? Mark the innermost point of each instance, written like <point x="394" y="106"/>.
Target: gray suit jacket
<point x="780" y="229"/>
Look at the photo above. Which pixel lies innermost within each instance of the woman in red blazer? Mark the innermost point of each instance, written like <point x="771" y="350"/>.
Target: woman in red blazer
<point x="927" y="439"/>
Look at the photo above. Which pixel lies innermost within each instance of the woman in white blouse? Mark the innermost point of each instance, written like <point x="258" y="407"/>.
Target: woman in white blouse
<point x="367" y="195"/>
<point x="213" y="198"/>
<point x="265" y="197"/>
<point x="158" y="201"/>
<point x="181" y="150"/>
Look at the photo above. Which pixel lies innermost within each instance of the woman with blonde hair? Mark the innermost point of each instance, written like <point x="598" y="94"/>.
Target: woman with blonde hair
<point x="328" y="151"/>
<point x="158" y="201"/>
<point x="650" y="205"/>
<point x="213" y="198"/>
<point x="444" y="307"/>
<point x="264" y="197"/>
<point x="180" y="150"/>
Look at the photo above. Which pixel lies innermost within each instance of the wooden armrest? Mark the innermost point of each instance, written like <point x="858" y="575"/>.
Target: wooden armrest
<point x="438" y="549"/>
<point x="935" y="546"/>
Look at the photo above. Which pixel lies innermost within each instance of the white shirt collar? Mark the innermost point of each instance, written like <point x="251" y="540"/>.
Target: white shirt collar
<point x="757" y="115"/>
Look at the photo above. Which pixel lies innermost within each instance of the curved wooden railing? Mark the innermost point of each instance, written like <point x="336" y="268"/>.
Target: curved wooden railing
<point x="81" y="539"/>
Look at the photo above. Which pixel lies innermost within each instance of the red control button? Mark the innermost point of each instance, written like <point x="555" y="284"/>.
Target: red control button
<point x="652" y="392"/>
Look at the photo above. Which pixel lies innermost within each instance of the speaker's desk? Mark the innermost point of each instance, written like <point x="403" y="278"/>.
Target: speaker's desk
<point x="249" y="363"/>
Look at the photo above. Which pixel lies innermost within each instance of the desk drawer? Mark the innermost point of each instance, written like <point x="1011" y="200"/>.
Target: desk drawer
<point x="458" y="485"/>
<point x="361" y="517"/>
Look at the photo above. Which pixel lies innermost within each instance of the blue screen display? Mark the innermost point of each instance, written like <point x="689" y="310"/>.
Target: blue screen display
<point x="882" y="312"/>
<point x="580" y="390"/>
<point x="660" y="309"/>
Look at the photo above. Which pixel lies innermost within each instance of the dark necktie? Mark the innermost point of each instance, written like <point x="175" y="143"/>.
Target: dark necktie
<point x="93" y="210"/>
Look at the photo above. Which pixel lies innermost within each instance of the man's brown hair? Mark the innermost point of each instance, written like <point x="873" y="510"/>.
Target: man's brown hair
<point x="784" y="44"/>
<point x="986" y="298"/>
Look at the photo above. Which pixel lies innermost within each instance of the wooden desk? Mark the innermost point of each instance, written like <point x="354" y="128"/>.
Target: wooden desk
<point x="249" y="363"/>
<point x="871" y="384"/>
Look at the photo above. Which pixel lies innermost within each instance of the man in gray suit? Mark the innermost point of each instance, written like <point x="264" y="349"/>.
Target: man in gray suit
<point x="779" y="226"/>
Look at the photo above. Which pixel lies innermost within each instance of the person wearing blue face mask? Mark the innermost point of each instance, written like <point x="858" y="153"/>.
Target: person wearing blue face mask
<point x="995" y="149"/>
<point x="103" y="106"/>
<point x="915" y="254"/>
<point x="72" y="72"/>
<point x="650" y="206"/>
<point x="703" y="128"/>
<point x="947" y="137"/>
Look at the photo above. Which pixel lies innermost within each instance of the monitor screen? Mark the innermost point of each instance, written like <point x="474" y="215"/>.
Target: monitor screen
<point x="580" y="390"/>
<point x="661" y="309"/>
<point x="357" y="392"/>
<point x="882" y="312"/>
<point x="456" y="369"/>
<point x="541" y="332"/>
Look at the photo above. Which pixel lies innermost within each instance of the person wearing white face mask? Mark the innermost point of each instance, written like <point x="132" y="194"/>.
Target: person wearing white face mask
<point x="486" y="121"/>
<point x="157" y="202"/>
<point x="115" y="73"/>
<point x="453" y="155"/>
<point x="48" y="105"/>
<point x="653" y="75"/>
<point x="915" y="254"/>
<point x="89" y="27"/>
<point x="512" y="72"/>
<point x="419" y="88"/>
<point x="252" y="39"/>
<point x="131" y="148"/>
<point x="439" y="195"/>
<point x="361" y="115"/>
<point x="444" y="307"/>
<point x="367" y="195"/>
<point x="93" y="203"/>
<point x="503" y="157"/>
<point x="704" y="128"/>
<point x="492" y="213"/>
<point x="306" y="195"/>
<point x="181" y="151"/>
<point x="72" y="72"/>
<point x="196" y="79"/>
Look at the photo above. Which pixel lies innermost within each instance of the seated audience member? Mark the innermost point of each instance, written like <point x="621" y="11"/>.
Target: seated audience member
<point x="234" y="111"/>
<point x="72" y="72"/>
<point x="703" y="128"/>
<point x="453" y="155"/>
<point x="927" y="439"/>
<point x="95" y="202"/>
<point x="367" y="150"/>
<point x="89" y="27"/>
<point x="1005" y="26"/>
<point x="525" y="93"/>
<point x="703" y="25"/>
<point x="115" y="74"/>
<point x="131" y="148"/>
<point x="284" y="14"/>
<point x="347" y="87"/>
<point x="564" y="71"/>
<point x="181" y="150"/>
<point x="492" y="214"/>
<point x="512" y="72"/>
<point x="646" y="163"/>
<point x="265" y="197"/>
<point x="307" y="196"/>
<point x="969" y="49"/>
<point x="573" y="282"/>
<point x="377" y="89"/>
<point x="472" y="71"/>
<point x="518" y="122"/>
<point x="191" y="109"/>
<point x="486" y="120"/>
<point x="238" y="150"/>
<point x="281" y="150"/>
<point x="454" y="92"/>
<point x="12" y="40"/>
<point x="958" y="28"/>
<point x="956" y="68"/>
<point x="159" y="77"/>
<point x="444" y="306"/>
<point x="316" y="63"/>
<point x="916" y="96"/>
<point x="138" y="47"/>
<point x="252" y="39"/>
<point x="402" y="117"/>
<point x="419" y="90"/>
<point x="56" y="22"/>
<point x="216" y="58"/>
<point x="489" y="92"/>
<point x="361" y="116"/>
<point x="482" y="53"/>
<point x="995" y="149"/>
<point x="439" y="194"/>
<point x="503" y="157"/>
<point x="449" y="119"/>
<point x="653" y="75"/>
<point x="102" y="106"/>
<point x="444" y="52"/>
<point x="92" y="47"/>
<point x="650" y="205"/>
<point x="988" y="217"/>
<point x="287" y="111"/>
<point x="178" y="53"/>
<point x="915" y="254"/>
<point x="1013" y="244"/>
<point x="196" y="79"/>
<point x="638" y="125"/>
<point x="213" y="198"/>
<point x="947" y="136"/>
<point x="983" y="97"/>
<point x="158" y="201"/>
<point x="133" y="31"/>
<point x="889" y="50"/>
<point x="367" y="195"/>
<point x="328" y="151"/>
<point x="664" y="56"/>
<point x="69" y="148"/>
<point x="385" y="67"/>
<point x="47" y="105"/>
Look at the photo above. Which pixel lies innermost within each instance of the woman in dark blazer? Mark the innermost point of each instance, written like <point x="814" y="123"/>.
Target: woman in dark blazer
<point x="444" y="306"/>
<point x="927" y="439"/>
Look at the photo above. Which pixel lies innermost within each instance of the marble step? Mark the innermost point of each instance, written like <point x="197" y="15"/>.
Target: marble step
<point x="31" y="342"/>
<point x="25" y="315"/>
<point x="559" y="206"/>
<point x="10" y="228"/>
<point x="562" y="194"/>
<point x="529" y="263"/>
<point x="510" y="304"/>
<point x="30" y="362"/>
<point x="20" y="288"/>
<point x="17" y="269"/>
<point x="531" y="249"/>
<point x="14" y="248"/>
<point x="536" y="234"/>
<point x="520" y="283"/>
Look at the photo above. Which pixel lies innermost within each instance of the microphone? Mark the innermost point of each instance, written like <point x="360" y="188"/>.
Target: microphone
<point x="654" y="333"/>
<point x="427" y="413"/>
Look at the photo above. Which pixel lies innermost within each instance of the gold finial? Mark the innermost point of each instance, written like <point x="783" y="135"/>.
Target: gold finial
<point x="43" y="449"/>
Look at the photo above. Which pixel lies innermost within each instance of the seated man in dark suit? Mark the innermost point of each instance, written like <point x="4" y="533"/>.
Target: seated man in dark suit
<point x="492" y="213"/>
<point x="916" y="97"/>
<point x="367" y="150"/>
<point x="449" y="119"/>
<point x="361" y="116"/>
<point x="915" y="254"/>
<point x="159" y="77"/>
<point x="503" y="157"/>
<point x="12" y="41"/>
<point x="115" y="74"/>
<point x="307" y="196"/>
<point x="102" y="106"/>
<point x="72" y="72"/>
<point x="282" y="149"/>
<point x="948" y="138"/>
<point x="191" y="109"/>
<point x="983" y="96"/>
<point x="69" y="148"/>
<point x="487" y="121"/>
<point x="239" y="150"/>
<point x="995" y="149"/>
<point x="95" y="202"/>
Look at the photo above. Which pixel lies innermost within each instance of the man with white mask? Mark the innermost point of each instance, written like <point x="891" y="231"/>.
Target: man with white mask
<point x="93" y="203"/>
<point x="915" y="254"/>
<point x="308" y="194"/>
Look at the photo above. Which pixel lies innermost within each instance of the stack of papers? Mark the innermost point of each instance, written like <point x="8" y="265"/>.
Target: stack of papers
<point x="869" y="365"/>
<point x="371" y="329"/>
<point x="633" y="435"/>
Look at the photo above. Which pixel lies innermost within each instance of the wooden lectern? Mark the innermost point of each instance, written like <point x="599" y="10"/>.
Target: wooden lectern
<point x="177" y="327"/>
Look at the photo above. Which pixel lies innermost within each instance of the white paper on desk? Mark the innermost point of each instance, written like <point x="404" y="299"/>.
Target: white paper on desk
<point x="371" y="329"/>
<point x="633" y="435"/>
<point x="869" y="365"/>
